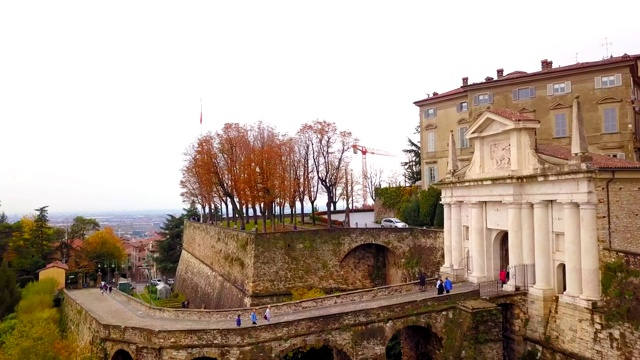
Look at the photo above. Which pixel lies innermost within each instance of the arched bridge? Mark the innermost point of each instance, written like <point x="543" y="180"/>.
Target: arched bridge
<point x="420" y="324"/>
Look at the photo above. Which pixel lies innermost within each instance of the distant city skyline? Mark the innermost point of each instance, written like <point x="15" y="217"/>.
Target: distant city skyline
<point x="96" y="117"/>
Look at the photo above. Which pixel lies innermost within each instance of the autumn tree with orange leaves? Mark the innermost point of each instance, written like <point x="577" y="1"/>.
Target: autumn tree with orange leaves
<point x="256" y="168"/>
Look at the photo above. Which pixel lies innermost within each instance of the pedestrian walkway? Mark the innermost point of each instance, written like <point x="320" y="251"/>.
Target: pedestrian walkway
<point x="111" y="311"/>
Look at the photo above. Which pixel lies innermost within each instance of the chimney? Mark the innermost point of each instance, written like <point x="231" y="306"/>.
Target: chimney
<point x="543" y="64"/>
<point x="488" y="78"/>
<point x="435" y="93"/>
<point x="465" y="81"/>
<point x="500" y="73"/>
<point x="549" y="64"/>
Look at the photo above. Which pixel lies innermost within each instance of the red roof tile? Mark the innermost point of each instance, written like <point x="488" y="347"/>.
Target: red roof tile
<point x="452" y="92"/>
<point x="56" y="264"/>
<point x="599" y="161"/>
<point x="522" y="74"/>
<point x="512" y="115"/>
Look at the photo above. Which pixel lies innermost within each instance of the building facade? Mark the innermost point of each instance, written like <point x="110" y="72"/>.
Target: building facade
<point x="609" y="91"/>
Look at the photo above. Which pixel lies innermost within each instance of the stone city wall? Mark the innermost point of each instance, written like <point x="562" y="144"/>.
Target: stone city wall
<point x="279" y="262"/>
<point x="618" y="214"/>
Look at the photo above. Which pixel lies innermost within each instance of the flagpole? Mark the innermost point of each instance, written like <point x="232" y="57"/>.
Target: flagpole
<point x="200" y="116"/>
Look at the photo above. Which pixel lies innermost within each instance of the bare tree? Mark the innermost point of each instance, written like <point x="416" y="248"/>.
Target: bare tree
<point x="374" y="181"/>
<point x="329" y="148"/>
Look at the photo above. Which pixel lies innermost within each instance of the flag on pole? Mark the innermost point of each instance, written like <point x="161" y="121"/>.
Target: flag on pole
<point x="200" y="111"/>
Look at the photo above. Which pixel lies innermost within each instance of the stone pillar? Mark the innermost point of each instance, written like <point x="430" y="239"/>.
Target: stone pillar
<point x="590" y="253"/>
<point x="544" y="284"/>
<point x="456" y="235"/>
<point x="476" y="239"/>
<point x="448" y="261"/>
<point x="515" y="246"/>
<point x="99" y="278"/>
<point x="528" y="247"/>
<point x="572" y="251"/>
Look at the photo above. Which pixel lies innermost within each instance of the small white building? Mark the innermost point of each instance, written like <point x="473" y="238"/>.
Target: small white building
<point x="528" y="208"/>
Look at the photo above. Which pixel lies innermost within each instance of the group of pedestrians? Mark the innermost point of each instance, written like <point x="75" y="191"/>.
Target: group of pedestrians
<point x="442" y="286"/>
<point x="104" y="287"/>
<point x="254" y="317"/>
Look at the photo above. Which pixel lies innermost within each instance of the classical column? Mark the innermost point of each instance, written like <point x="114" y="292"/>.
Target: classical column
<point x="590" y="253"/>
<point x="476" y="239"/>
<point x="572" y="251"/>
<point x="456" y="235"/>
<point x="515" y="246"/>
<point x="542" y="245"/>
<point x="528" y="248"/>
<point x="447" y="238"/>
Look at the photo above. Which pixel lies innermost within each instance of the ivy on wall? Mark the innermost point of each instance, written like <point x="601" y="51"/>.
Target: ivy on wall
<point x="413" y="205"/>
<point x="621" y="290"/>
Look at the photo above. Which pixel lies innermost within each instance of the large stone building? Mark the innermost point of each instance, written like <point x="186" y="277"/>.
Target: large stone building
<point x="609" y="91"/>
<point x="551" y="215"/>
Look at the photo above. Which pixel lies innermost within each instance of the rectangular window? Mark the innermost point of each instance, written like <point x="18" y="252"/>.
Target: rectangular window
<point x="559" y="88"/>
<point x="616" y="155"/>
<point x="523" y="93"/>
<point x="480" y="99"/>
<point x="560" y="125"/>
<point x="463" y="106"/>
<point x="431" y="141"/>
<point x="463" y="142"/>
<point x="610" y="120"/>
<point x="608" y="81"/>
<point x="430" y="113"/>
<point x="431" y="174"/>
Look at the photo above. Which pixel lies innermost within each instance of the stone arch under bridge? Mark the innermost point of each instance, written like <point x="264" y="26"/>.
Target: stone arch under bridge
<point x="316" y="349"/>
<point x="414" y="342"/>
<point x="121" y="354"/>
<point x="374" y="264"/>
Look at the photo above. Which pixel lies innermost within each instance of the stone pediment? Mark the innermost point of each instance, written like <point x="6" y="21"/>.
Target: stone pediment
<point x="503" y="143"/>
<point x="430" y="126"/>
<point x="463" y="121"/>
<point x="526" y="110"/>
<point x="609" y="100"/>
<point x="559" y="105"/>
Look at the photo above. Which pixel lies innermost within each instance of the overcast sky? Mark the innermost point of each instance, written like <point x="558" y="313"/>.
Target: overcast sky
<point x="98" y="100"/>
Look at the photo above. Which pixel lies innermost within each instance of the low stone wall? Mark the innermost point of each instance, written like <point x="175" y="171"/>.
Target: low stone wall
<point x="80" y="323"/>
<point x="292" y="306"/>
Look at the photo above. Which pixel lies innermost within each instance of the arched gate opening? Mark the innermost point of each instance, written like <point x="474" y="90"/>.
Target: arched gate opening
<point x="122" y="355"/>
<point x="414" y="342"/>
<point x="372" y="265"/>
<point x="316" y="352"/>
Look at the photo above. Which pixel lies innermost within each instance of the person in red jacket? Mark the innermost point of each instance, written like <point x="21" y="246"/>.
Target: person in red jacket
<point x="503" y="276"/>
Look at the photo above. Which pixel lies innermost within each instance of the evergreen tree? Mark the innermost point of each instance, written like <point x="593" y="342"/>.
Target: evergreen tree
<point x="170" y="248"/>
<point x="412" y="173"/>
<point x="9" y="291"/>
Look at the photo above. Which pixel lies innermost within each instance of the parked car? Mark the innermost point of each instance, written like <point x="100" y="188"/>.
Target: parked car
<point x="393" y="223"/>
<point x="156" y="282"/>
<point x="170" y="281"/>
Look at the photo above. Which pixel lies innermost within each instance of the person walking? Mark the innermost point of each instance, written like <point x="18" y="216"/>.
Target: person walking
<point x="503" y="276"/>
<point x="267" y="314"/>
<point x="440" y="286"/>
<point x="447" y="285"/>
<point x="254" y="317"/>
<point x="238" y="321"/>
<point x="422" y="280"/>
<point x="110" y="288"/>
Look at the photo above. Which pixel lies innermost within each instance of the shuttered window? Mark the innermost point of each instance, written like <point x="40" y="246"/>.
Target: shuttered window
<point x="559" y="88"/>
<point x="560" y="125"/>
<point x="523" y="93"/>
<point x="431" y="174"/>
<point x="463" y="142"/>
<point x="608" y="81"/>
<point x="431" y="141"/>
<point x="480" y="99"/>
<point x="610" y="120"/>
<point x="430" y="113"/>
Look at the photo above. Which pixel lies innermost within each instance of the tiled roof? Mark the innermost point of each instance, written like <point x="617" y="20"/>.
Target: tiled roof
<point x="452" y="92"/>
<point x="576" y="66"/>
<point x="512" y="115"/>
<point x="599" y="161"/>
<point x="522" y="74"/>
<point x="56" y="264"/>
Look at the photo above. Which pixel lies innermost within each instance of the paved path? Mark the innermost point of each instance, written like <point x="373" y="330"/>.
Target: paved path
<point x="112" y="311"/>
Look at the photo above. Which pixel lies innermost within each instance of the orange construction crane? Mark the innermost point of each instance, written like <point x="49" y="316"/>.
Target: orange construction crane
<point x="365" y="175"/>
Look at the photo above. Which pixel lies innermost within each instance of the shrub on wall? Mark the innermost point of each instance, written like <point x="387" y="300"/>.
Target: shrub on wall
<point x="301" y="294"/>
<point x="414" y="206"/>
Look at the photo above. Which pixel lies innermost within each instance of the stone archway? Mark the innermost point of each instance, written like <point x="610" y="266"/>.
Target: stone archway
<point x="414" y="342"/>
<point x="121" y="354"/>
<point x="500" y="253"/>
<point x="371" y="265"/>
<point x="316" y="352"/>
<point x="561" y="278"/>
<point x="513" y="330"/>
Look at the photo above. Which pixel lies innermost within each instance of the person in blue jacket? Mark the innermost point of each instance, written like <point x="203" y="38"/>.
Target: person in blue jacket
<point x="447" y="285"/>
